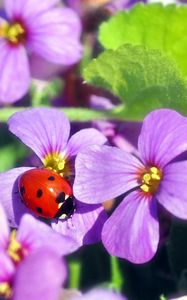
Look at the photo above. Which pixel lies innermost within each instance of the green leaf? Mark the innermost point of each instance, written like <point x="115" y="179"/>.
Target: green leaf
<point x="10" y="155"/>
<point x="154" y="26"/>
<point x="144" y="79"/>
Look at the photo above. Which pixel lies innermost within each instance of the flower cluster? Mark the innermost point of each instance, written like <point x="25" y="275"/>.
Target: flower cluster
<point x="104" y="172"/>
<point x="46" y="132"/>
<point x="149" y="180"/>
<point x="90" y="174"/>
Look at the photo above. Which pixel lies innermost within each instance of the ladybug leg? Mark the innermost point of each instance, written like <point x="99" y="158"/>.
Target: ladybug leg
<point x="60" y="214"/>
<point x="63" y="217"/>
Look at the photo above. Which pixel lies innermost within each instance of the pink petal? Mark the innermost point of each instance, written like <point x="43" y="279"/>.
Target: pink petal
<point x="100" y="293"/>
<point x="7" y="268"/>
<point x="55" y="36"/>
<point x="44" y="130"/>
<point x="103" y="172"/>
<point x="82" y="139"/>
<point x="42" y="69"/>
<point x="180" y="298"/>
<point x="4" y="229"/>
<point x="10" y="198"/>
<point x="39" y="276"/>
<point x="172" y="193"/>
<point x="34" y="234"/>
<point x="163" y="137"/>
<point x="27" y="8"/>
<point x="85" y="225"/>
<point x="132" y="232"/>
<point x="15" y="74"/>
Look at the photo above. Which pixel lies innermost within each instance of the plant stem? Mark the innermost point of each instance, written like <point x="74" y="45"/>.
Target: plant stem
<point x="74" y="114"/>
<point x="117" y="280"/>
<point x="75" y="273"/>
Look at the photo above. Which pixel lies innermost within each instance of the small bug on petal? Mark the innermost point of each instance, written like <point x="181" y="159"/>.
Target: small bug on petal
<point x="46" y="194"/>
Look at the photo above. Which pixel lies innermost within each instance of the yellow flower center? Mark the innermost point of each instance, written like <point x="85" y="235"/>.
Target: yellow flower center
<point x="16" y="253"/>
<point x="150" y="180"/>
<point x="14" y="33"/>
<point x="59" y="164"/>
<point x="5" y="290"/>
<point x="15" y="249"/>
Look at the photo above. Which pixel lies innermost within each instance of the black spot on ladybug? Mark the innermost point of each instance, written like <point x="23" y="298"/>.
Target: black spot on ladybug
<point x="39" y="210"/>
<point x="51" y="178"/>
<point x="22" y="190"/>
<point x="60" y="198"/>
<point x="39" y="193"/>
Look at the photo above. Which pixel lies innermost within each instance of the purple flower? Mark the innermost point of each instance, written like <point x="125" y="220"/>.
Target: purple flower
<point x="120" y="134"/>
<point x="99" y="293"/>
<point x="104" y="172"/>
<point x="113" y="5"/>
<point x="27" y="256"/>
<point x="180" y="298"/>
<point x="46" y="131"/>
<point x="39" y="275"/>
<point x="85" y="5"/>
<point x="117" y="5"/>
<point x="31" y="235"/>
<point x="34" y="30"/>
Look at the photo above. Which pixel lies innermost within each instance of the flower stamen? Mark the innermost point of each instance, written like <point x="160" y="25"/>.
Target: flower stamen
<point x="5" y="290"/>
<point x="59" y="164"/>
<point x="15" y="249"/>
<point x="14" y="33"/>
<point x="150" y="180"/>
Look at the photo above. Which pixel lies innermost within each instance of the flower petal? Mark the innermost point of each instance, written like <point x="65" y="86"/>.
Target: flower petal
<point x="82" y="139"/>
<point x="44" y="130"/>
<point x="163" y="137"/>
<point x="42" y="69"/>
<point x="10" y="199"/>
<point x="104" y="172"/>
<point x="27" y="8"/>
<point x="180" y="298"/>
<point x="55" y="36"/>
<point x="15" y="74"/>
<point x="34" y="234"/>
<point x="4" y="230"/>
<point x="172" y="193"/>
<point x="39" y="276"/>
<point x="132" y="232"/>
<point x="100" y="294"/>
<point x="85" y="225"/>
<point x="68" y="294"/>
<point x="7" y="268"/>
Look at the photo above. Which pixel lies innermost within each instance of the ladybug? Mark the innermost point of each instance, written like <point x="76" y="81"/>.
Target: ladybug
<point x="46" y="194"/>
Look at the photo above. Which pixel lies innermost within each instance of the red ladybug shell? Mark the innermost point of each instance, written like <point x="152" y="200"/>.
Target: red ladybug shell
<point x="42" y="191"/>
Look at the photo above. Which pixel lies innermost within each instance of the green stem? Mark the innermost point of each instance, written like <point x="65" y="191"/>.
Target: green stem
<point x="117" y="279"/>
<point x="74" y="114"/>
<point x="75" y="273"/>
